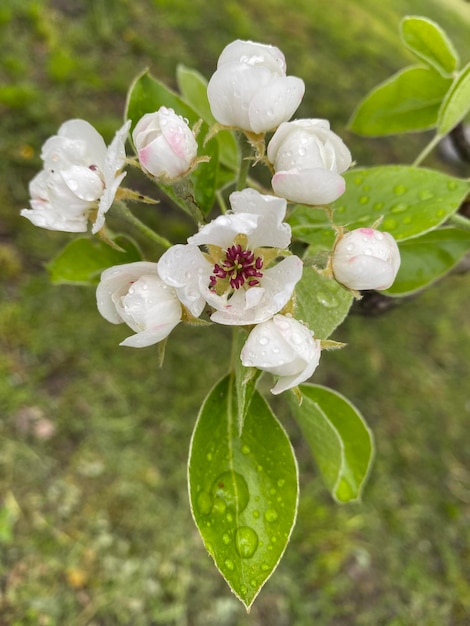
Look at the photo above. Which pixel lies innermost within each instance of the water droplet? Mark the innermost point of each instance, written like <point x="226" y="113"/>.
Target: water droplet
<point x="246" y="541"/>
<point x="399" y="208"/>
<point x="399" y="190"/>
<point x="229" y="564"/>
<point x="256" y="514"/>
<point x="440" y="213"/>
<point x="389" y="224"/>
<point x="253" y="583"/>
<point x="226" y="539"/>
<point x="243" y="590"/>
<point x="364" y="199"/>
<point x="263" y="341"/>
<point x="326" y="299"/>
<point x="265" y="567"/>
<point x="271" y="515"/>
<point x="246" y="449"/>
<point x="358" y="180"/>
<point x="281" y="482"/>
<point x="341" y="209"/>
<point x="378" y="206"/>
<point x="452" y="184"/>
<point x="204" y="503"/>
<point x="231" y="488"/>
<point x="209" y="456"/>
<point x="407" y="219"/>
<point x="424" y="194"/>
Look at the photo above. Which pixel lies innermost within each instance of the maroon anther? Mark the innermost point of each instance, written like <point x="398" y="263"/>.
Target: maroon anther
<point x="239" y="266"/>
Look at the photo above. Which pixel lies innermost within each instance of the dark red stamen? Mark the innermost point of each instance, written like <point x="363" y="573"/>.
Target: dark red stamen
<point x="238" y="267"/>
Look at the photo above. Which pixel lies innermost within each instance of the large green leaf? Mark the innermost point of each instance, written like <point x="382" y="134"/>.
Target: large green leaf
<point x="193" y="87"/>
<point x="340" y="440"/>
<point x="409" y="101"/>
<point x="456" y="104"/>
<point x="243" y="489"/>
<point x="321" y="302"/>
<point x="146" y="95"/>
<point x="427" y="258"/>
<point x="82" y="260"/>
<point x="411" y="200"/>
<point x="429" y="42"/>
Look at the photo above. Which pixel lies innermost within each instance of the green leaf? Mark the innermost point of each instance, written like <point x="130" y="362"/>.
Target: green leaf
<point x="311" y="225"/>
<point x="456" y="104"/>
<point x="193" y="86"/>
<point x="430" y="43"/>
<point x="412" y="200"/>
<point x="409" y="101"/>
<point x="321" y="302"/>
<point x="427" y="258"/>
<point x="82" y="260"/>
<point x="243" y="489"/>
<point x="147" y="95"/>
<point x="245" y="378"/>
<point x="339" y="438"/>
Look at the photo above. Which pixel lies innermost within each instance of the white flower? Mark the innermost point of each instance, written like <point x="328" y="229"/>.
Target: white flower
<point x="250" y="89"/>
<point x="80" y="176"/>
<point x="366" y="258"/>
<point x="308" y="159"/>
<point x="135" y="294"/>
<point x="237" y="276"/>
<point x="284" y="347"/>
<point x="165" y="144"/>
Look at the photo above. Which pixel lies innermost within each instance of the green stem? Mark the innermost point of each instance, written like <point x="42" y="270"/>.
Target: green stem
<point x="427" y="149"/>
<point x="141" y="227"/>
<point x="460" y="221"/>
<point x="245" y="161"/>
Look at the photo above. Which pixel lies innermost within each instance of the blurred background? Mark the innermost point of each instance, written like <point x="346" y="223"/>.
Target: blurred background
<point x="95" y="527"/>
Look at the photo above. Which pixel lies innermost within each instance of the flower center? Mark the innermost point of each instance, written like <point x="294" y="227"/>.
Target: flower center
<point x="239" y="267"/>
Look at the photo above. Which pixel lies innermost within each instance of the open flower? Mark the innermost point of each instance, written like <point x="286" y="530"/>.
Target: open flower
<point x="366" y="258"/>
<point x="239" y="274"/>
<point x="79" y="179"/>
<point x="284" y="347"/>
<point x="250" y="89"/>
<point x="165" y="144"/>
<point x="135" y="294"/>
<point x="308" y="159"/>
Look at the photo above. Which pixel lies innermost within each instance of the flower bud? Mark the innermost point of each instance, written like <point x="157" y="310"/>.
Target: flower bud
<point x="135" y="294"/>
<point x="250" y="89"/>
<point x="165" y="144"/>
<point x="308" y="159"/>
<point x="284" y="347"/>
<point x="366" y="259"/>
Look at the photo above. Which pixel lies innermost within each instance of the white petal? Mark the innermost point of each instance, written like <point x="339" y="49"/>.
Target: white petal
<point x="314" y="187"/>
<point x="223" y="229"/>
<point x="253" y="53"/>
<point x="47" y="217"/>
<point x="275" y="103"/>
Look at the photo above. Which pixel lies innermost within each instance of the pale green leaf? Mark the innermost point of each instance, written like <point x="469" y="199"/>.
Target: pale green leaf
<point x="339" y="438"/>
<point x="243" y="489"/>
<point x="82" y="260"/>
<point x="321" y="302"/>
<point x="409" y="101"/>
<point x="427" y="258"/>
<point x="456" y="104"/>
<point x="430" y="43"/>
<point x="245" y="378"/>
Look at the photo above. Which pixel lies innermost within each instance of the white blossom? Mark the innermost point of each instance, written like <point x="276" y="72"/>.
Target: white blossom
<point x="250" y="89"/>
<point x="366" y="258"/>
<point x="284" y="347"/>
<point x="80" y="177"/>
<point x="165" y="144"/>
<point x="237" y="274"/>
<point x="135" y="294"/>
<point x="308" y="160"/>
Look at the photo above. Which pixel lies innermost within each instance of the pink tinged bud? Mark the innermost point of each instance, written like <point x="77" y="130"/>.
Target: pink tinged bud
<point x="283" y="347"/>
<point x="165" y="144"/>
<point x="366" y="258"/>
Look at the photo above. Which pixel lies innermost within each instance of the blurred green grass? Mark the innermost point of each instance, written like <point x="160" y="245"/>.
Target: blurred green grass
<point x="95" y="526"/>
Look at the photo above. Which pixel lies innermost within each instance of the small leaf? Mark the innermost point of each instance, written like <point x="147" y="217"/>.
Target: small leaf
<point x="427" y="258"/>
<point x="82" y="260"/>
<point x="147" y="95"/>
<point x="412" y="200"/>
<point x="321" y="302"/>
<point x="429" y="42"/>
<point x="456" y="104"/>
<point x="339" y="438"/>
<point x="245" y="379"/>
<point x="409" y="101"/>
<point x="193" y="86"/>
<point x="243" y="489"/>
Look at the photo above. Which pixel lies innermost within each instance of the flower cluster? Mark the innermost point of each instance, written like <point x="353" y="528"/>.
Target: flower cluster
<point x="237" y="270"/>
